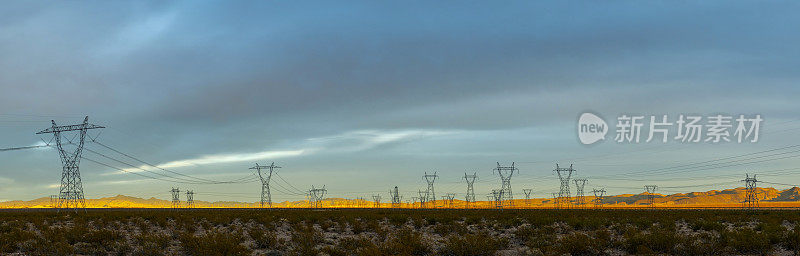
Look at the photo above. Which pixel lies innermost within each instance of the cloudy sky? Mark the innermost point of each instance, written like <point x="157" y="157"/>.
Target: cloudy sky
<point x="361" y="96"/>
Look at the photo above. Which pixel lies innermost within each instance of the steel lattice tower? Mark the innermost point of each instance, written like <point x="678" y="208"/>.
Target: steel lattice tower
<point x="317" y="195"/>
<point x="450" y="197"/>
<point x="70" y="194"/>
<point x="189" y="199"/>
<point x="470" y="197"/>
<point x="751" y="197"/>
<point x="564" y="174"/>
<point x="497" y="196"/>
<point x="53" y="201"/>
<point x="423" y="198"/>
<point x="598" y="197"/>
<point x="448" y="200"/>
<point x="266" y="196"/>
<point x="505" y="173"/>
<point x="527" y="192"/>
<point x="377" y="199"/>
<point x="579" y="196"/>
<point x="395" y="195"/>
<point x="176" y="198"/>
<point x="430" y="193"/>
<point x="651" y="190"/>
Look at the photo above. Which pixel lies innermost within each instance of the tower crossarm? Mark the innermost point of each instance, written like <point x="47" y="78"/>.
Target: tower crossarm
<point x="66" y="128"/>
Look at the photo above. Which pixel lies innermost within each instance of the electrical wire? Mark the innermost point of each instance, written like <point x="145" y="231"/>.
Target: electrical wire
<point x="170" y="171"/>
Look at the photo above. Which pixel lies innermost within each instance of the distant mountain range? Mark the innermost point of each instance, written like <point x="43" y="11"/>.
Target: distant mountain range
<point x="769" y="197"/>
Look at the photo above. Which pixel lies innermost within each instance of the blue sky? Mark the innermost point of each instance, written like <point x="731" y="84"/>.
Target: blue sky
<point x="364" y="96"/>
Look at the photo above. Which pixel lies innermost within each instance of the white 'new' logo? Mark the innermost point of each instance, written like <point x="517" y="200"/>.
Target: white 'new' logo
<point x="591" y="128"/>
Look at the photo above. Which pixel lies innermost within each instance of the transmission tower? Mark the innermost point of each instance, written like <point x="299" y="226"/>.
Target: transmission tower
<point x="505" y="173"/>
<point x="448" y="199"/>
<point x="497" y="195"/>
<point x="470" y="197"/>
<point x="266" y="196"/>
<point x="395" y="195"/>
<point x="377" y="199"/>
<point x="53" y="201"/>
<point x="598" y="197"/>
<point x="751" y="197"/>
<point x="555" y="200"/>
<point x="580" y="199"/>
<point x="415" y="199"/>
<point x="564" y="174"/>
<point x="176" y="198"/>
<point x="527" y="192"/>
<point x="423" y="198"/>
<point x="431" y="194"/>
<point x="317" y="195"/>
<point x="651" y="197"/>
<point x="189" y="199"/>
<point x="70" y="194"/>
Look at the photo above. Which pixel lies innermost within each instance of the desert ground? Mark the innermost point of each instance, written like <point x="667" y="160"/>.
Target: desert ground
<point x="399" y="232"/>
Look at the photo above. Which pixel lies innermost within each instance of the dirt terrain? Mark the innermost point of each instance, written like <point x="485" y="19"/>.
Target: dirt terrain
<point x="399" y="232"/>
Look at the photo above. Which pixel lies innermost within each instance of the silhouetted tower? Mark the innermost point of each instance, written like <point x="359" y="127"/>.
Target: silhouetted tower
<point x="53" y="201"/>
<point x="377" y="200"/>
<point x="395" y="194"/>
<point x="598" y="197"/>
<point x="470" y="197"/>
<point x="317" y="195"/>
<point x="415" y="199"/>
<point x="70" y="194"/>
<point x="266" y="196"/>
<point x="556" y="204"/>
<point x="527" y="192"/>
<point x="431" y="194"/>
<point x="423" y="198"/>
<point x="580" y="199"/>
<point x="189" y="199"/>
<point x="651" y="190"/>
<point x="505" y="173"/>
<point x="497" y="195"/>
<point x="448" y="200"/>
<point x="564" y="174"/>
<point x="751" y="193"/>
<point x="176" y="198"/>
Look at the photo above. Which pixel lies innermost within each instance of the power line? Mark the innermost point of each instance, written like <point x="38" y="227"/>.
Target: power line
<point x="287" y="183"/>
<point x="22" y="148"/>
<point x="664" y="170"/>
<point x="245" y="179"/>
<point x="158" y="167"/>
<point x="176" y="179"/>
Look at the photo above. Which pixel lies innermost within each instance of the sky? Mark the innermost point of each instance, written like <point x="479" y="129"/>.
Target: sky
<point x="362" y="96"/>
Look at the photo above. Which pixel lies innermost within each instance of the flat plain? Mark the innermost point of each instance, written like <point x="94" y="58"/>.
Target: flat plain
<point x="399" y="232"/>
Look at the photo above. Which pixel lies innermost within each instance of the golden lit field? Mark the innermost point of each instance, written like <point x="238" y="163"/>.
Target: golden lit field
<point x="399" y="232"/>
